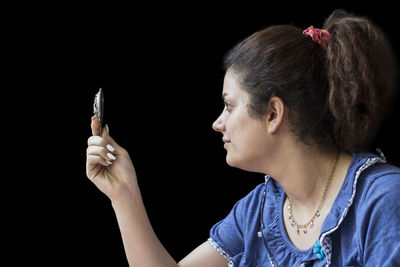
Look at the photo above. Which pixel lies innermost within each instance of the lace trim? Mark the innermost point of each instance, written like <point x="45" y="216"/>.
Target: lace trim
<point x="327" y="245"/>
<point x="267" y="178"/>
<point x="221" y="251"/>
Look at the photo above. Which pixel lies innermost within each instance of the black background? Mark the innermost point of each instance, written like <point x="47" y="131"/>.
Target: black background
<point x="160" y="68"/>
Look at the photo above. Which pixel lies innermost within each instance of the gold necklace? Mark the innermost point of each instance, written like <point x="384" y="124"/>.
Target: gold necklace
<point x="310" y="223"/>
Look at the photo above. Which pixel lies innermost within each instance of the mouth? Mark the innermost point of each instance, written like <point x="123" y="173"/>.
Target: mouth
<point x="226" y="141"/>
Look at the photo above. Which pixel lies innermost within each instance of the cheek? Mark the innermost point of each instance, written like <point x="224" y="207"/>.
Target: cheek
<point x="238" y="128"/>
<point x="234" y="130"/>
<point x="247" y="136"/>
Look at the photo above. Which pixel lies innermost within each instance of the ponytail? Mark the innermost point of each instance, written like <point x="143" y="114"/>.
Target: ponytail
<point x="360" y="67"/>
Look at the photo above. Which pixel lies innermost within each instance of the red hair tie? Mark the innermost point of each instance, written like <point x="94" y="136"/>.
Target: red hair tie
<point x="318" y="35"/>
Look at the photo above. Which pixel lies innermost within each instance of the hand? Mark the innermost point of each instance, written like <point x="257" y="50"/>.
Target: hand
<point x="108" y="165"/>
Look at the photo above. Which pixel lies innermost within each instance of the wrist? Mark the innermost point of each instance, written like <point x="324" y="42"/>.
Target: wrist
<point x="126" y="198"/>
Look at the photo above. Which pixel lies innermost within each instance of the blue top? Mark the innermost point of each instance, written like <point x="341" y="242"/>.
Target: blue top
<point x="362" y="228"/>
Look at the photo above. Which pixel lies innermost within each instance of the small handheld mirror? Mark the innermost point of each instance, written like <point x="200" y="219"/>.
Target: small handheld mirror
<point x="98" y="108"/>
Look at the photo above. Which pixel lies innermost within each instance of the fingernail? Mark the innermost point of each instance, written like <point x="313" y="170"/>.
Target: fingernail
<point x="108" y="130"/>
<point x="110" y="148"/>
<point x="111" y="156"/>
<point x="108" y="162"/>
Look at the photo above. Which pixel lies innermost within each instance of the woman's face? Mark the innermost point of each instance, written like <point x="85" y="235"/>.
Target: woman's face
<point x="246" y="139"/>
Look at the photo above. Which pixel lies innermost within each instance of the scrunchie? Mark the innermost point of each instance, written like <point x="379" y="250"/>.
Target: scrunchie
<point x="318" y="35"/>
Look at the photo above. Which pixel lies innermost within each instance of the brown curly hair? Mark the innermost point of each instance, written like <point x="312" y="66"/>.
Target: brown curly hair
<point x="334" y="95"/>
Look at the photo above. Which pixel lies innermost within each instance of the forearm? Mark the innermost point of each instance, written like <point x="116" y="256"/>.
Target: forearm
<point x="142" y="247"/>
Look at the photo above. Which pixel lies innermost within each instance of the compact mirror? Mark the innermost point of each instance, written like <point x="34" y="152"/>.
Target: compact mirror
<point x="98" y="108"/>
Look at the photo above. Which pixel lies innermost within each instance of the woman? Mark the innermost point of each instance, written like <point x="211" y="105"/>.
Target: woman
<point x="300" y="106"/>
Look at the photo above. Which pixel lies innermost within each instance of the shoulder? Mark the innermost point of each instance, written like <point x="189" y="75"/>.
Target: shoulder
<point x="251" y="203"/>
<point x="381" y="181"/>
<point x="378" y="222"/>
<point x="378" y="193"/>
<point x="252" y="198"/>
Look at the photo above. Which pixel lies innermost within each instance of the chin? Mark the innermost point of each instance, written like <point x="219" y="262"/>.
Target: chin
<point x="236" y="163"/>
<point x="241" y="164"/>
<point x="229" y="161"/>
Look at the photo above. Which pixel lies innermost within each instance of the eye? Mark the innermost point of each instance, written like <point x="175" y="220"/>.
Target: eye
<point x="228" y="106"/>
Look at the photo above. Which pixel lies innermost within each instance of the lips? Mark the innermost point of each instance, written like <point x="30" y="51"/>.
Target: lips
<point x="225" y="140"/>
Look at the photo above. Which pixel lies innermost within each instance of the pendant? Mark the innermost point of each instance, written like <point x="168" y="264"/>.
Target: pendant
<point x="305" y="231"/>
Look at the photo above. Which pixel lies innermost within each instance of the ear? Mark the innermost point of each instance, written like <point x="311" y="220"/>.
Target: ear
<point x="276" y="110"/>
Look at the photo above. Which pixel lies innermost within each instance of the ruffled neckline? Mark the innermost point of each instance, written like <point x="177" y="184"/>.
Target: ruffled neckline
<point x="275" y="237"/>
<point x="277" y="242"/>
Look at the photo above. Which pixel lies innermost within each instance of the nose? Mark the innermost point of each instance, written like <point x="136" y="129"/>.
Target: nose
<point x="219" y="124"/>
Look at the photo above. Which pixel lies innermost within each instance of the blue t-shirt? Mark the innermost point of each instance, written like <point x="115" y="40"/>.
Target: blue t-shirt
<point x="362" y="228"/>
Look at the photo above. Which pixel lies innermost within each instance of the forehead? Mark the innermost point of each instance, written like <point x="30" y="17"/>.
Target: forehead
<point x="232" y="87"/>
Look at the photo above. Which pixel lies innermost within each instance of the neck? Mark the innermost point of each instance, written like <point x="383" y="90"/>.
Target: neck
<point x="303" y="173"/>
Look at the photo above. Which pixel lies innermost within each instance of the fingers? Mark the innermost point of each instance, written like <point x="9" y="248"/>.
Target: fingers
<point x="101" y="152"/>
<point x="107" y="137"/>
<point x="97" y="141"/>
<point x="95" y="160"/>
<point x="100" y="147"/>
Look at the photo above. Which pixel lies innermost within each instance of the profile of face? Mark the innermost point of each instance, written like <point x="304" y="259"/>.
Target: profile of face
<point x="248" y="141"/>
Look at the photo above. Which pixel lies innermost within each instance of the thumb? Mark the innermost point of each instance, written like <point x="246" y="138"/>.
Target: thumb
<point x="95" y="126"/>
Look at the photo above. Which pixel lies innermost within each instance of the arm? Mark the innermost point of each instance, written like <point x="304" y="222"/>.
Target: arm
<point x="141" y="244"/>
<point x="204" y="255"/>
<point x="115" y="176"/>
